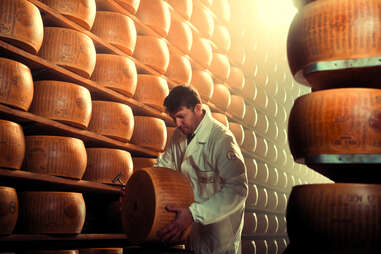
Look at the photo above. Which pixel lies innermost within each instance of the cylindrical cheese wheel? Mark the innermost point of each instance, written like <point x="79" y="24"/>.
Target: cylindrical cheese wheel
<point x="263" y="223"/>
<point x="179" y="69"/>
<point x="282" y="202"/>
<point x="9" y="210"/>
<point x="12" y="145"/>
<point x="251" y="117"/>
<point x="238" y="132"/>
<point x="221" y="37"/>
<point x="272" y="155"/>
<point x="248" y="246"/>
<point x="142" y="162"/>
<point x="237" y="53"/>
<point x="263" y="172"/>
<point x="249" y="91"/>
<point x="261" y="99"/>
<point x="55" y="155"/>
<point x="221" y="118"/>
<point x="249" y="141"/>
<point x="16" y="84"/>
<point x="151" y="90"/>
<point x="221" y="97"/>
<point x="262" y="125"/>
<point x="203" y="20"/>
<point x="48" y="212"/>
<point x="273" y="201"/>
<point x="273" y="131"/>
<point x="220" y="66"/>
<point x="150" y="132"/>
<point x="116" y="72"/>
<point x="250" y="224"/>
<point x="272" y="245"/>
<point x="143" y="212"/>
<point x="130" y="5"/>
<point x="81" y="12"/>
<point x="251" y="169"/>
<point x="180" y="34"/>
<point x="101" y="250"/>
<point x="252" y="197"/>
<point x="222" y="9"/>
<point x="153" y="52"/>
<point x="62" y="101"/>
<point x="70" y="49"/>
<point x="107" y="165"/>
<point x="236" y="80"/>
<point x="51" y="252"/>
<point x="112" y="119"/>
<point x="201" y="52"/>
<point x="117" y="29"/>
<point x="261" y="246"/>
<point x="203" y="83"/>
<point x="237" y="107"/>
<point x="283" y="180"/>
<point x="156" y="15"/>
<point x="282" y="224"/>
<point x="263" y="198"/>
<point x="184" y="7"/>
<point x="21" y="24"/>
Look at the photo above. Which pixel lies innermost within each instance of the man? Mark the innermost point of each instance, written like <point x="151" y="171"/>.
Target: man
<point x="207" y="153"/>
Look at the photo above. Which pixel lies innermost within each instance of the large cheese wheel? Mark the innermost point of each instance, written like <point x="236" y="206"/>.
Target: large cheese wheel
<point x="16" y="84"/>
<point x="236" y="80"/>
<point x="252" y="197"/>
<point x="150" y="132"/>
<point x="282" y="202"/>
<point x="142" y="162"/>
<point x="201" y="52"/>
<point x="251" y="169"/>
<point x="262" y="224"/>
<point x="262" y="125"/>
<point x="273" y="201"/>
<point x="238" y="132"/>
<point x="101" y="250"/>
<point x="203" y="83"/>
<point x="272" y="155"/>
<point x="237" y="53"/>
<point x="70" y="49"/>
<point x="222" y="9"/>
<point x="221" y="97"/>
<point x="282" y="224"/>
<point x="184" y="7"/>
<point x="248" y="246"/>
<point x="263" y="172"/>
<point x="116" y="72"/>
<point x="261" y="99"/>
<point x="251" y="117"/>
<point x="180" y="34"/>
<point x="47" y="212"/>
<point x="179" y="69"/>
<point x="221" y="37"/>
<point x="143" y="212"/>
<point x="21" y="24"/>
<point x="117" y="29"/>
<point x="112" y="119"/>
<point x="261" y="246"/>
<point x="81" y="12"/>
<point x="9" y="210"/>
<point x="152" y="90"/>
<point x="62" y="101"/>
<point x="237" y="107"/>
<point x="250" y="224"/>
<point x="203" y="20"/>
<point x="156" y="15"/>
<point x="51" y="252"/>
<point x="220" y="66"/>
<point x="153" y="52"/>
<point x="273" y="130"/>
<point x="55" y="155"/>
<point x="262" y="147"/>
<point x="220" y="117"/>
<point x="263" y="198"/>
<point x="12" y="145"/>
<point x="107" y="165"/>
<point x="130" y="5"/>
<point x="249" y="141"/>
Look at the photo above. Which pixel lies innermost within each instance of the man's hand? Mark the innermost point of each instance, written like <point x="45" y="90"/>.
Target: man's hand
<point x="173" y="232"/>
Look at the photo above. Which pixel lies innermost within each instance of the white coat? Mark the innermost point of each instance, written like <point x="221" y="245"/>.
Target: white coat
<point x="215" y="167"/>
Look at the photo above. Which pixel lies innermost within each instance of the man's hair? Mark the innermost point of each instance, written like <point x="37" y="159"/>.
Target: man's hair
<point x="181" y="96"/>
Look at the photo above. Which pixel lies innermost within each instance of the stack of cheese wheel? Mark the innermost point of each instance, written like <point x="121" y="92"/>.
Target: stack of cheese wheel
<point x="26" y="32"/>
<point x="142" y="162"/>
<point x="16" y="84"/>
<point x="9" y="210"/>
<point x="108" y="165"/>
<point x="202" y="81"/>
<point x="46" y="212"/>
<point x="149" y="132"/>
<point x="180" y="34"/>
<point x="156" y="15"/>
<point x="144" y="213"/>
<point x="221" y="97"/>
<point x="55" y="155"/>
<point x="152" y="90"/>
<point x="179" y="69"/>
<point x="101" y="251"/>
<point x="12" y="145"/>
<point x="62" y="101"/>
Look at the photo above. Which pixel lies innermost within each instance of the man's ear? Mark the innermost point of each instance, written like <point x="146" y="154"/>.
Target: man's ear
<point x="198" y="109"/>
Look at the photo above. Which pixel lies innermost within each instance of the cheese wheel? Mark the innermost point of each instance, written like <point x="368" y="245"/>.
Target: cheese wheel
<point x="151" y="90"/>
<point x="282" y="202"/>
<point x="248" y="246"/>
<point x="203" y="20"/>
<point x="156" y="15"/>
<point x="251" y="117"/>
<point x="220" y="66"/>
<point x="12" y="145"/>
<point x="237" y="107"/>
<point x="150" y="132"/>
<point x="9" y="210"/>
<point x="236" y="80"/>
<point x="69" y="49"/>
<point x="238" y="132"/>
<point x="250" y="224"/>
<point x="55" y="155"/>
<point x="221" y="118"/>
<point x="221" y="96"/>
<point x="62" y="101"/>
<point x="221" y="37"/>
<point x="203" y="83"/>
<point x="273" y="246"/>
<point x="252" y="197"/>
<point x="249" y="141"/>
<point x="262" y="125"/>
<point x="179" y="69"/>
<point x="47" y="212"/>
<point x="117" y="73"/>
<point x="282" y="224"/>
<point x="142" y="162"/>
<point x="237" y="53"/>
<point x="272" y="154"/>
<point x="21" y="25"/>
<point x="51" y="252"/>
<point x="109" y="166"/>
<point x="263" y="198"/>
<point x="144" y="213"/>
<point x="16" y="84"/>
<point x="180" y="34"/>
<point x="117" y="29"/>
<point x="272" y="204"/>
<point x="263" y="172"/>
<point x="112" y="119"/>
<point x="101" y="251"/>
<point x="283" y="180"/>
<point x="273" y="131"/>
<point x="170" y="131"/>
<point x="263" y="223"/>
<point x="130" y="5"/>
<point x="251" y="169"/>
<point x="184" y="7"/>
<point x="201" y="52"/>
<point x="81" y="12"/>
<point x="261" y="246"/>
<point x="222" y="9"/>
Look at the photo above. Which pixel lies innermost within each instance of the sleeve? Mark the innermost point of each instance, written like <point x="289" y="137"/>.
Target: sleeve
<point x="228" y="160"/>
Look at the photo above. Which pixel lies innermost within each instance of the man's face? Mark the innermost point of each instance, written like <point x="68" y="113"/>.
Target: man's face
<point x="187" y="119"/>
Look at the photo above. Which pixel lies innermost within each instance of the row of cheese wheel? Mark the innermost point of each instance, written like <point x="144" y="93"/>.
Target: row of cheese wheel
<point x="269" y="246"/>
<point x="261" y="223"/>
<point x="263" y="198"/>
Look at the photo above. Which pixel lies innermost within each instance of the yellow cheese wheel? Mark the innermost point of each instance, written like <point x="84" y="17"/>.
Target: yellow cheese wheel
<point x="144" y="213"/>
<point x="81" y="12"/>
<point x="201" y="52"/>
<point x="180" y="34"/>
<point x="222" y="9"/>
<point x="252" y="198"/>
<point x="203" y="20"/>
<point x="262" y="125"/>
<point x="282" y="202"/>
<point x="62" y="101"/>
<point x="112" y="119"/>
<point x="156" y="15"/>
<point x="12" y="145"/>
<point x="21" y="24"/>
<point x="179" y="69"/>
<point x="250" y="224"/>
<point x="203" y="83"/>
<point x="249" y="141"/>
<point x="236" y="54"/>
<point x="251" y="117"/>
<point x="117" y="29"/>
<point x="263" y="223"/>
<point x="221" y="118"/>
<point x="142" y="162"/>
<point x="55" y="155"/>
<point x="9" y="210"/>
<point x="101" y="251"/>
<point x="70" y="49"/>
<point x="263" y="198"/>
<point x="263" y="172"/>
<point x="130" y="5"/>
<point x="248" y="246"/>
<point x="150" y="132"/>
<point x="251" y="169"/>
<point x="238" y="132"/>
<point x="47" y="212"/>
<point x="282" y="224"/>
<point x="16" y="84"/>
<point x="236" y="80"/>
<point x="220" y="66"/>
<point x="272" y="204"/>
<point x="221" y="96"/>
<point x="152" y="90"/>
<point x="116" y="72"/>
<point x="221" y="38"/>
<point x="237" y="107"/>
<point x="184" y="7"/>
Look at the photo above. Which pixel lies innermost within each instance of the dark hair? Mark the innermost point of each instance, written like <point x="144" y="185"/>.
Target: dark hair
<point x="181" y="96"/>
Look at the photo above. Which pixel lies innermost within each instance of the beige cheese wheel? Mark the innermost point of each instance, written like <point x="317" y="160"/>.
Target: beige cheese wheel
<point x="184" y="7"/>
<point x="273" y="131"/>
<point x="263" y="223"/>
<point x="262" y="147"/>
<point x="249" y="141"/>
<point x="220" y="66"/>
<point x="283" y="180"/>
<point x="236" y="80"/>
<point x="143" y="212"/>
<point x="272" y="204"/>
<point x="237" y="53"/>
<point x="156" y="15"/>
<point x="272" y="155"/>
<point x="51" y="252"/>
<point x="142" y="162"/>
<point x="282" y="224"/>
<point x="261" y="99"/>
<point x="180" y="34"/>
<point x="262" y="125"/>
<point x="150" y="132"/>
<point x="16" y="84"/>
<point x="201" y="52"/>
<point x="237" y="107"/>
<point x="21" y="25"/>
<point x="108" y="165"/>
<point x="179" y="69"/>
<point x="221" y="96"/>
<point x="151" y="90"/>
<point x="261" y="246"/>
<point x="222" y="9"/>
<point x="9" y="210"/>
<point x="117" y="73"/>
<point x="69" y="49"/>
<point x="282" y="202"/>
<point x="238" y="132"/>
<point x="202" y="81"/>
<point x="263" y="172"/>
<point x="252" y="197"/>
<point x="251" y="117"/>
<point x="249" y="91"/>
<point x="55" y="155"/>
<point x="101" y="250"/>
<point x="170" y="131"/>
<point x="251" y="169"/>
<point x="153" y="52"/>
<point x="203" y="20"/>
<point x="117" y="29"/>
<point x="220" y="117"/>
<point x="250" y="224"/>
<point x="263" y="198"/>
<point x="221" y="38"/>
<point x="65" y="102"/>
<point x="112" y="119"/>
<point x="248" y="246"/>
<point x="48" y="212"/>
<point x="81" y="12"/>
<point x="130" y="5"/>
<point x="12" y="145"/>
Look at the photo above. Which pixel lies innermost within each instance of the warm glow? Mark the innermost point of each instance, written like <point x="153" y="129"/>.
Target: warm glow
<point x="276" y="13"/>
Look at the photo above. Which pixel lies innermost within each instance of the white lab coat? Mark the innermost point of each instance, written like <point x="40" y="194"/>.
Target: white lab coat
<point x="215" y="167"/>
